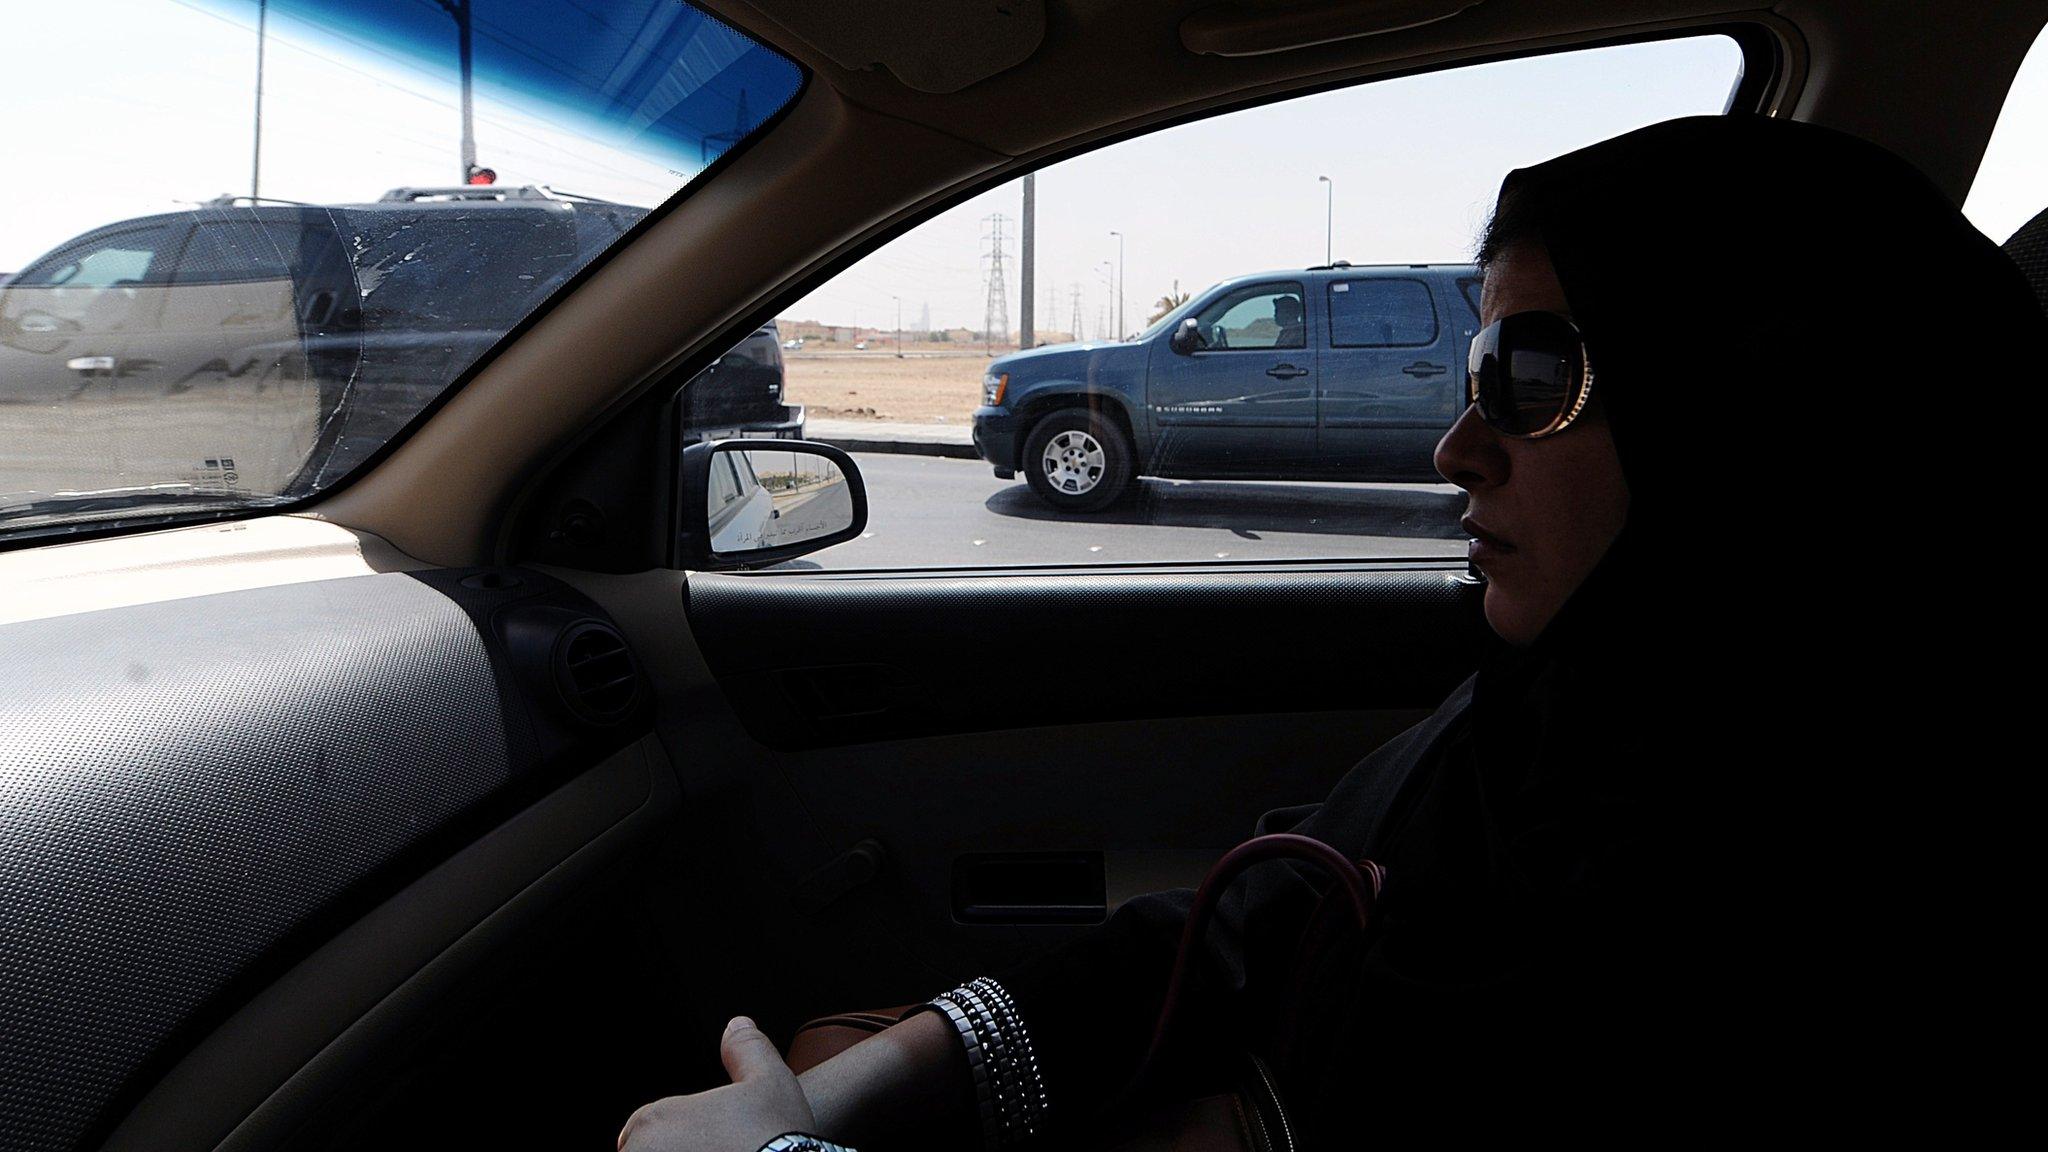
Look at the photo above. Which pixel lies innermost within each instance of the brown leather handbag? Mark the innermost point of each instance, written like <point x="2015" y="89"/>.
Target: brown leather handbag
<point x="1251" y="1116"/>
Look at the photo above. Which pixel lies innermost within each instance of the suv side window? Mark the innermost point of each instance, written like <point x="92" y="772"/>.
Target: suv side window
<point x="1469" y="287"/>
<point x="132" y="256"/>
<point x="1262" y="317"/>
<point x="236" y="252"/>
<point x="1381" y="313"/>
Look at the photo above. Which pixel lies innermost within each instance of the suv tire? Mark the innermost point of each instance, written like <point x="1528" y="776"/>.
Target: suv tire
<point x="1077" y="460"/>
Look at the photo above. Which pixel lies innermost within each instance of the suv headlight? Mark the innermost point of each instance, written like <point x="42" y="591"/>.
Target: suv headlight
<point x="993" y="385"/>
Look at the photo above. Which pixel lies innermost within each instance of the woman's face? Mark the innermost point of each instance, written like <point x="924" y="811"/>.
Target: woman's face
<point x="1541" y="513"/>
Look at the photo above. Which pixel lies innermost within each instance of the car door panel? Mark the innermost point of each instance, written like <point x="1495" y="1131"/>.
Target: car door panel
<point x="820" y="660"/>
<point x="1393" y="376"/>
<point x="1247" y="410"/>
<point x="849" y="819"/>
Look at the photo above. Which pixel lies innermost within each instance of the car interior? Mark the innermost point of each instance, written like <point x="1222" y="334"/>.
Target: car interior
<point x="462" y="802"/>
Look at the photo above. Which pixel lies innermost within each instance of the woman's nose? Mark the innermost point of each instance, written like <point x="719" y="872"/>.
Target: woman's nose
<point x="1470" y="455"/>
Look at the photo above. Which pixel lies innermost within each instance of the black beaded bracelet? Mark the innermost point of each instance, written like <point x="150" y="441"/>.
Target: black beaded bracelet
<point x="1029" y="1083"/>
<point x="977" y="1067"/>
<point x="1009" y="1087"/>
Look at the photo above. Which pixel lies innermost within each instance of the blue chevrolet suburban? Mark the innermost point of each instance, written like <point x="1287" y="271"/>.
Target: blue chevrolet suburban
<point x="1329" y="373"/>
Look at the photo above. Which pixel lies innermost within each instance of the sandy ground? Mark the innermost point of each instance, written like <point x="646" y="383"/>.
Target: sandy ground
<point x="930" y="388"/>
<point x="98" y="442"/>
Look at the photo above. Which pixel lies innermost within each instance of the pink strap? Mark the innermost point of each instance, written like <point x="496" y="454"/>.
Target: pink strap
<point x="1359" y="882"/>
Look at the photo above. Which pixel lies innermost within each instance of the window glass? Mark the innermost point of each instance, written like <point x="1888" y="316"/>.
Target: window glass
<point x="388" y="216"/>
<point x="1381" y="313"/>
<point x="1470" y="287"/>
<point x="978" y="392"/>
<point x="227" y="251"/>
<point x="2012" y="182"/>
<point x="130" y="255"/>
<point x="1269" y="316"/>
<point x="725" y="482"/>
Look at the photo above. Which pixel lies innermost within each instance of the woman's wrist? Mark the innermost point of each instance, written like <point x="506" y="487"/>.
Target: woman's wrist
<point x="907" y="1077"/>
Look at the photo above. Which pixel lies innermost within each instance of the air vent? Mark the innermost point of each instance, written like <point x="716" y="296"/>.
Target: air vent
<point x="596" y="674"/>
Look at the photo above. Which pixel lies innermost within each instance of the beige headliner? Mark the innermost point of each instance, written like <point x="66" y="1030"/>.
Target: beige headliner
<point x="861" y="153"/>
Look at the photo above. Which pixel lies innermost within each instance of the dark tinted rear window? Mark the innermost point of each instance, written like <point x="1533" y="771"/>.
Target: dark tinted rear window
<point x="1381" y="313"/>
<point x="1469" y="287"/>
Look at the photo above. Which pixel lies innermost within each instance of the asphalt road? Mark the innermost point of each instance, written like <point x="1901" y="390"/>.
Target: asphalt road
<point x="933" y="512"/>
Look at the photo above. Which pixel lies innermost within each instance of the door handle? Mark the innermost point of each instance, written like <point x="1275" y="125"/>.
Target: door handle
<point x="92" y="363"/>
<point x="1286" y="372"/>
<point x="1425" y="368"/>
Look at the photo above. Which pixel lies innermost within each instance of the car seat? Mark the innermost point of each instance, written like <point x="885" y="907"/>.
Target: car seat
<point x="2028" y="248"/>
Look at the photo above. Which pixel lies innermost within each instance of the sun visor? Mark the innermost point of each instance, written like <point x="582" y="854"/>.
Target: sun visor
<point x="934" y="46"/>
<point x="1258" y="27"/>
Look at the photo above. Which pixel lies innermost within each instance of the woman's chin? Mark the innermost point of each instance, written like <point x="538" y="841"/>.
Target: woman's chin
<point x="1511" y="617"/>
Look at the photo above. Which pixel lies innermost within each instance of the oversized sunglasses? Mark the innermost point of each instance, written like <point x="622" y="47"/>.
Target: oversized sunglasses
<point x="1528" y="375"/>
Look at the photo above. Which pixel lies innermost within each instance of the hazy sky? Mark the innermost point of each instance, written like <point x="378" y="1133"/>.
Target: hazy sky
<point x="162" y="119"/>
<point x="1416" y="163"/>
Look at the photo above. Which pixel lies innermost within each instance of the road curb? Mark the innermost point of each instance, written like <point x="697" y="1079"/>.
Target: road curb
<point x="900" y="447"/>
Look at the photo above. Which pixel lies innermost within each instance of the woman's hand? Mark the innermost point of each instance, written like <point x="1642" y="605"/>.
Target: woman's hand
<point x="763" y="1101"/>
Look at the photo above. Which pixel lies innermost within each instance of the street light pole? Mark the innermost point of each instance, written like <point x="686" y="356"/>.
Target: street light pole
<point x="459" y="9"/>
<point x="1329" y="219"/>
<point x="1122" y="289"/>
<point x="899" y="326"/>
<point x="256" y="164"/>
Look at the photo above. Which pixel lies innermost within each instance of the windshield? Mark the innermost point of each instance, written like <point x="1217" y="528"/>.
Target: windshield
<point x="297" y="222"/>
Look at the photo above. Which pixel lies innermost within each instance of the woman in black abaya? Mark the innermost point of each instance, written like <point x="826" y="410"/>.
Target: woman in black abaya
<point x="1623" y="862"/>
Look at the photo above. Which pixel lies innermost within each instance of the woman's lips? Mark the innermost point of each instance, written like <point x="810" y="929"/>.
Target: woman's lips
<point x="1485" y="545"/>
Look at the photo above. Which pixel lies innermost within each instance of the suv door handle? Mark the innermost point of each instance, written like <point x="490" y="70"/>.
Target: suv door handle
<point x="1425" y="368"/>
<point x="1286" y="372"/>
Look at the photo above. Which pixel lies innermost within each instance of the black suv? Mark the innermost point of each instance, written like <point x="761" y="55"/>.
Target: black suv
<point x="374" y="307"/>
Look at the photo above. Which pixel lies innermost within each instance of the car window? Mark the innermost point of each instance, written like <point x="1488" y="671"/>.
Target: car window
<point x="1382" y="313"/>
<point x="357" y="240"/>
<point x="725" y="480"/>
<point x="1268" y="316"/>
<point x="129" y="256"/>
<point x="2011" y="187"/>
<point x="1469" y="287"/>
<point x="1015" y="403"/>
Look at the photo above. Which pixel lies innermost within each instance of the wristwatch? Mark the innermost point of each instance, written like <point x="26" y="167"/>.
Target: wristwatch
<point x="798" y="1142"/>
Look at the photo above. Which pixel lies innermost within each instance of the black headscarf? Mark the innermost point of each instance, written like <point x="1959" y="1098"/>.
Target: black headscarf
<point x="1762" y="723"/>
<point x="1797" y="339"/>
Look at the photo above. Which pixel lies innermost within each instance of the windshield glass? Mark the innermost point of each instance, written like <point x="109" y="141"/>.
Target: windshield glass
<point x="1171" y="318"/>
<point x="268" y="233"/>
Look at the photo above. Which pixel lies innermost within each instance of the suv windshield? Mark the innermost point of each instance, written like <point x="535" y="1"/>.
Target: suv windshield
<point x="298" y="222"/>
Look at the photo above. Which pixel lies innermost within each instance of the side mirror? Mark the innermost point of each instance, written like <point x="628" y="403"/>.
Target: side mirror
<point x="1187" y="338"/>
<point x="748" y="503"/>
